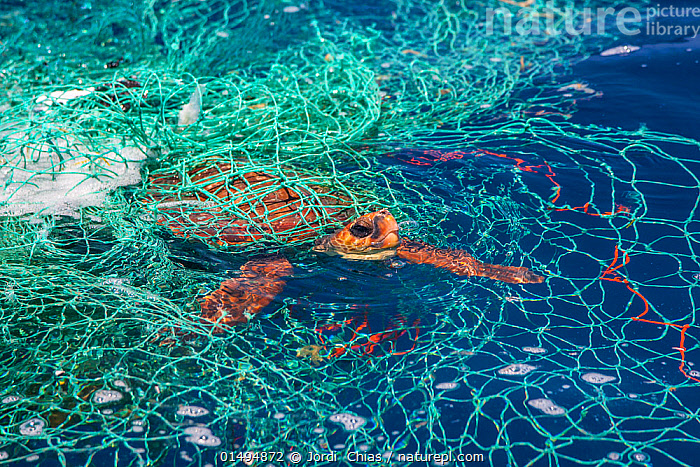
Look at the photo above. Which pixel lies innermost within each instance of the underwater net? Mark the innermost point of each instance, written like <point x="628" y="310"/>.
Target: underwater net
<point x="149" y="146"/>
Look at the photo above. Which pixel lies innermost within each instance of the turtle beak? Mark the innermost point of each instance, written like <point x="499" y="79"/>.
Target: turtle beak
<point x="386" y="230"/>
<point x="371" y="234"/>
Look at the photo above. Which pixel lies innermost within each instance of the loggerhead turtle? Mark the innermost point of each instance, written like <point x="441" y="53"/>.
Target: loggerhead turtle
<point x="266" y="205"/>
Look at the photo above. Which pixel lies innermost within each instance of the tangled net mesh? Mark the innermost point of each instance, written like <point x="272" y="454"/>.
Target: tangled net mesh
<point x="410" y="106"/>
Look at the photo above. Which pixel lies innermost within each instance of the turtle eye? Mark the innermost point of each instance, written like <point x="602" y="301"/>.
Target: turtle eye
<point x="360" y="231"/>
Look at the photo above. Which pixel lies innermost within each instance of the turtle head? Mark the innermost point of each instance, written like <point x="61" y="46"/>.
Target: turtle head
<point x="372" y="236"/>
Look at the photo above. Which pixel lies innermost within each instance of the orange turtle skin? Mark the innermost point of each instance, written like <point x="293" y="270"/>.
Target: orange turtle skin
<point x="237" y="300"/>
<point x="384" y="234"/>
<point x="463" y="264"/>
<point x="368" y="234"/>
<point x="225" y="207"/>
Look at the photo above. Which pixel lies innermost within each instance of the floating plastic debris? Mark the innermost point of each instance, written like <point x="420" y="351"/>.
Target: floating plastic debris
<point x="516" y="369"/>
<point x="534" y="350"/>
<point x="120" y="384"/>
<point x="546" y="406"/>
<point x="278" y="416"/>
<point x="291" y="9"/>
<point x="639" y="457"/>
<point x="190" y="111"/>
<point x="32" y="427"/>
<point x="137" y="427"/>
<point x="192" y="411"/>
<point x="319" y="430"/>
<point x="202" y="436"/>
<point x="10" y="399"/>
<point x="60" y="98"/>
<point x="33" y="457"/>
<point x="447" y="386"/>
<point x="597" y="378"/>
<point x="349" y="421"/>
<point x="621" y="50"/>
<point x="105" y="396"/>
<point x="613" y="456"/>
<point x="577" y="87"/>
<point x="36" y="181"/>
<point x="4" y="455"/>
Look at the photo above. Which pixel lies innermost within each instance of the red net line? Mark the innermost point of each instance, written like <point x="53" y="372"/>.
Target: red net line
<point x="610" y="274"/>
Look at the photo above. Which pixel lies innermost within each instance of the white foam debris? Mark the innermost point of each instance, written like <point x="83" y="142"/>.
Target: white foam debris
<point x="4" y="455"/>
<point x="546" y="406"/>
<point x="577" y="87"/>
<point x="447" y="386"/>
<point x="119" y="383"/>
<point x="620" y="50"/>
<point x="10" y="399"/>
<point x="189" y="113"/>
<point x="59" y="174"/>
<point x="192" y="411"/>
<point x="133" y="292"/>
<point x="291" y="9"/>
<point x="32" y="427"/>
<point x="349" y="421"/>
<point x="516" y="369"/>
<point x="202" y="436"/>
<point x="105" y="396"/>
<point x="60" y="98"/>
<point x="597" y="378"/>
<point x="137" y="426"/>
<point x="534" y="350"/>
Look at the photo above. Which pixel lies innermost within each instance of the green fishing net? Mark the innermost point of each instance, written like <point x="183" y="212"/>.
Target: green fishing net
<point x="110" y="110"/>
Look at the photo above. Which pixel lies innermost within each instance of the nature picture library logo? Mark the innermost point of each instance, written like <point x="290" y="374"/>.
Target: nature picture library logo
<point x="552" y="20"/>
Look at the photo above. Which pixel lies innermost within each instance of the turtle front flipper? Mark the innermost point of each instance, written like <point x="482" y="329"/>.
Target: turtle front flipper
<point x="462" y="263"/>
<point x="238" y="300"/>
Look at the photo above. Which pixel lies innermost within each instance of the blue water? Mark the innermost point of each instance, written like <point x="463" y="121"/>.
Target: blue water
<point x="584" y="324"/>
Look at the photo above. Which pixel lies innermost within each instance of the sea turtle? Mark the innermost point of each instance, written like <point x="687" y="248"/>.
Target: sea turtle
<point x="224" y="205"/>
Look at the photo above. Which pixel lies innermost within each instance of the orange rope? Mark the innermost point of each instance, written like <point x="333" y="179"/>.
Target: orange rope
<point x="611" y="274"/>
<point x="373" y="339"/>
